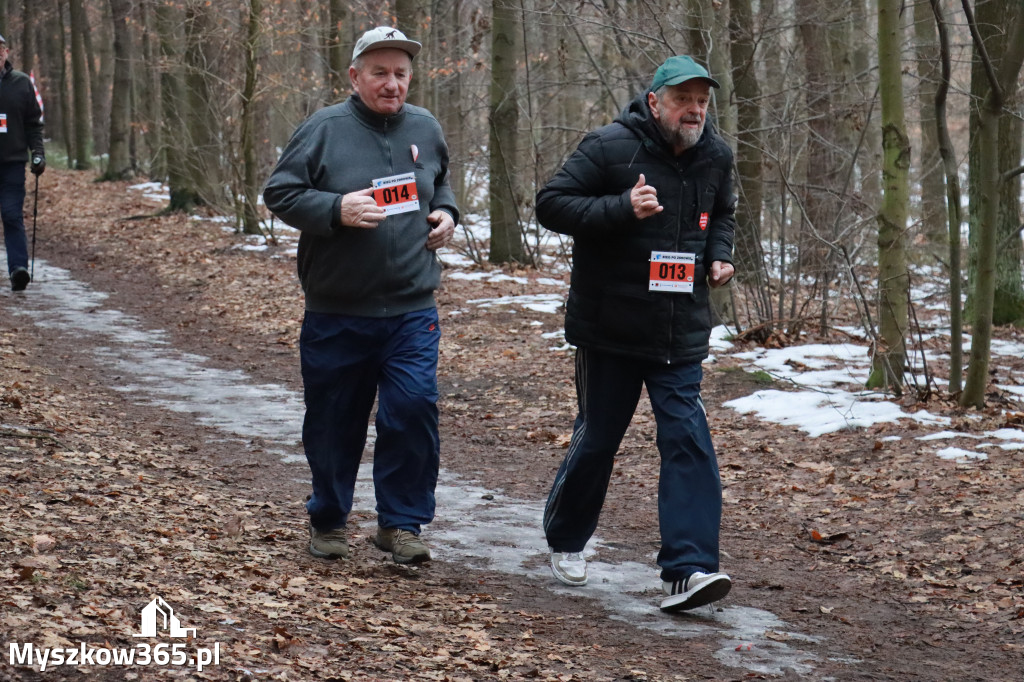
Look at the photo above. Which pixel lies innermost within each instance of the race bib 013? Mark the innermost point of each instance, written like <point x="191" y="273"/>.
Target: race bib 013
<point x="672" y="271"/>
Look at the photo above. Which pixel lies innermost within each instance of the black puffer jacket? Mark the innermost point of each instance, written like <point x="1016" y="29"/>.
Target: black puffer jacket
<point x="21" y="119"/>
<point x="609" y="306"/>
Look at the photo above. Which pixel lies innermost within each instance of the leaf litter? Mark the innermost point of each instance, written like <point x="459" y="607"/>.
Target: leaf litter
<point x="862" y="531"/>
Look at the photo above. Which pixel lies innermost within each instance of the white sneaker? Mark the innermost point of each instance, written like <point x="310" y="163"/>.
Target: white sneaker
<point x="569" y="567"/>
<point x="696" y="590"/>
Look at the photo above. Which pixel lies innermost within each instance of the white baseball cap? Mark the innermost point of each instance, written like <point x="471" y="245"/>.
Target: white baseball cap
<point x="385" y="36"/>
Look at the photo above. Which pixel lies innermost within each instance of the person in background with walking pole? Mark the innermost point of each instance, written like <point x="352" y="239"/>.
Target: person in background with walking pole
<point x="21" y="132"/>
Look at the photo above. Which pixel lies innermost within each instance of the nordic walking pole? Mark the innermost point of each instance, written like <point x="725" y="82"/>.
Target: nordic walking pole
<point x="35" y="212"/>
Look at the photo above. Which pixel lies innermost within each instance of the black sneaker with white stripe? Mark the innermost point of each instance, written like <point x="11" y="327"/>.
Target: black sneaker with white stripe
<point x="20" y="279"/>
<point x="695" y="590"/>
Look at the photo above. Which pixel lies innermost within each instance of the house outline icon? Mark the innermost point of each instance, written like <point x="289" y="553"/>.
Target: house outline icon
<point x="167" y="621"/>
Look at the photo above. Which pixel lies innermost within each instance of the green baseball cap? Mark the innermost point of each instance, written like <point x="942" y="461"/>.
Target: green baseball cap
<point x="680" y="69"/>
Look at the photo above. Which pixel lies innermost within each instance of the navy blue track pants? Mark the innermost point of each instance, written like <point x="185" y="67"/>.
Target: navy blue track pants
<point x="608" y="389"/>
<point x="12" y="204"/>
<point x="347" y="361"/>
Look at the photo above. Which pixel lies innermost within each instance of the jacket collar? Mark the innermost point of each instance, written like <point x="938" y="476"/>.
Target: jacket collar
<point x="374" y="120"/>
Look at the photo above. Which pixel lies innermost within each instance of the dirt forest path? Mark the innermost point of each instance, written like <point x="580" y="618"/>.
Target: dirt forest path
<point x="855" y="557"/>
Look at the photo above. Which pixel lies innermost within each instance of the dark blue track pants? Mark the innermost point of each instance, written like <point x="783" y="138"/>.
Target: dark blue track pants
<point x="608" y="389"/>
<point x="12" y="211"/>
<point x="346" y="362"/>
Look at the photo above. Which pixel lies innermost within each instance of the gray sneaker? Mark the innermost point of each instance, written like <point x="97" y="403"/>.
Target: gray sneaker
<point x="569" y="567"/>
<point x="405" y="546"/>
<point x="328" y="544"/>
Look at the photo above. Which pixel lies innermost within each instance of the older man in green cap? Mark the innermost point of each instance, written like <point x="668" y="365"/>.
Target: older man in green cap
<point x="649" y="203"/>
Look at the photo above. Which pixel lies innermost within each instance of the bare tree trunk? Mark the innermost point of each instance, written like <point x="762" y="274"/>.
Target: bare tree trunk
<point x="953" y="198"/>
<point x="711" y="27"/>
<point x="750" y="265"/>
<point x="80" y="87"/>
<point x="150" y="96"/>
<point x="308" y="58"/>
<point x="200" y="117"/>
<point x="119" y="165"/>
<point x="1000" y="82"/>
<point x="869" y="161"/>
<point x="409" y="20"/>
<point x="103" y="80"/>
<point x="451" y="106"/>
<point x="64" y="83"/>
<point x="250" y="183"/>
<point x="506" y="236"/>
<point x="184" y="196"/>
<point x="929" y="162"/>
<point x="337" y="60"/>
<point x="823" y="166"/>
<point x="28" y="43"/>
<point x="890" y="357"/>
<point x="708" y="38"/>
<point x="1008" y="301"/>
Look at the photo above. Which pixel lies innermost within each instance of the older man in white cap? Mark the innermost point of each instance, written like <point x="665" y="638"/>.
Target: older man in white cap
<point x="366" y="183"/>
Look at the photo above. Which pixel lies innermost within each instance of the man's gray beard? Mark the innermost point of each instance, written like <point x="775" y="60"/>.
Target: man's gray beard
<point x="681" y="138"/>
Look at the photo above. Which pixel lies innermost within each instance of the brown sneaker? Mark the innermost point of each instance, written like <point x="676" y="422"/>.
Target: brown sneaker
<point x="329" y="544"/>
<point x="405" y="546"/>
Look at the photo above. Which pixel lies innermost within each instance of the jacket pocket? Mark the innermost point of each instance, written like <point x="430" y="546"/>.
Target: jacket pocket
<point x="630" y="318"/>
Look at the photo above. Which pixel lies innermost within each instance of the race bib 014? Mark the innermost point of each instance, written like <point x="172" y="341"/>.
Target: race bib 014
<point x="396" y="193"/>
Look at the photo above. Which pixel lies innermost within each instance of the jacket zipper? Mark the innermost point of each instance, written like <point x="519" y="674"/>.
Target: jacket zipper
<point x="391" y="249"/>
<point x="672" y="299"/>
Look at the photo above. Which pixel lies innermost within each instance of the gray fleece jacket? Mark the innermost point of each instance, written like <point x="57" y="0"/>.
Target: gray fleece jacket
<point x="342" y="148"/>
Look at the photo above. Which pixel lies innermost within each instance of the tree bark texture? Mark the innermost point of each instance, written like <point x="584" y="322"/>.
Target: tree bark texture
<point x="749" y="256"/>
<point x="1000" y="73"/>
<point x="994" y="18"/>
<point x="119" y="163"/>
<point x="28" y="43"/>
<point x="200" y="119"/>
<point x="80" y="87"/>
<point x="506" y="235"/>
<point x="953" y="199"/>
<point x="337" y="60"/>
<point x="890" y="354"/>
<point x="929" y="160"/>
<point x="250" y="168"/>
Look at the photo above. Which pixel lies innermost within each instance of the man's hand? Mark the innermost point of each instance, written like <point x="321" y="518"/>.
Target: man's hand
<point x="38" y="164"/>
<point x="442" y="231"/>
<point x="644" y="199"/>
<point x="721" y="272"/>
<point x="360" y="209"/>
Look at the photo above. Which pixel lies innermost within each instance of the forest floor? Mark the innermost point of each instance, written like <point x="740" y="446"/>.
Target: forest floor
<point x="854" y="555"/>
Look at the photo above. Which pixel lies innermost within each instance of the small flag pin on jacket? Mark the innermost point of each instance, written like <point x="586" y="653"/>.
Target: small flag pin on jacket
<point x="415" y="152"/>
